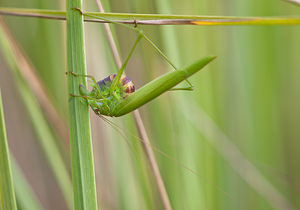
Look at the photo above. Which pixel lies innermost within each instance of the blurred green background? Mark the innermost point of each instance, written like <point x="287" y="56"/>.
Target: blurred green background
<point x="251" y="92"/>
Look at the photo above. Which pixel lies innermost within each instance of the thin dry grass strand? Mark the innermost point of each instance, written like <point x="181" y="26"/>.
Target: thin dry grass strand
<point x="151" y="158"/>
<point x="141" y="130"/>
<point x="112" y="44"/>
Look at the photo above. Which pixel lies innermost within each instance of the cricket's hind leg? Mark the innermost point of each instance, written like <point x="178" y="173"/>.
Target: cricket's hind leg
<point x="141" y="33"/>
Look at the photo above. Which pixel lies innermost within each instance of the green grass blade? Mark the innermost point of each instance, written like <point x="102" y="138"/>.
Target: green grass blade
<point x="7" y="194"/>
<point x="160" y="85"/>
<point x="83" y="175"/>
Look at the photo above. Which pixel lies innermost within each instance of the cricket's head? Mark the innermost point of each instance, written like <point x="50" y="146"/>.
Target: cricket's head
<point x="102" y="99"/>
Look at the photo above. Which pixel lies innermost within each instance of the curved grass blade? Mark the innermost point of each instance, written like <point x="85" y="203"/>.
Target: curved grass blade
<point x="83" y="175"/>
<point x="158" y="86"/>
<point x="7" y="194"/>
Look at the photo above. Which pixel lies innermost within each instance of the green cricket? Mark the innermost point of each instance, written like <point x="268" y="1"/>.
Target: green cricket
<point x="115" y="95"/>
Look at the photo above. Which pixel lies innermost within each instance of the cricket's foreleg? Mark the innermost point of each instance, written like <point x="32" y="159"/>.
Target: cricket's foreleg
<point x="81" y="75"/>
<point x="78" y="96"/>
<point x="88" y="76"/>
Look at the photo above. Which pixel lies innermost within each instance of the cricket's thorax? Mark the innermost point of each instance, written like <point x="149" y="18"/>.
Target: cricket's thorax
<point x="107" y="99"/>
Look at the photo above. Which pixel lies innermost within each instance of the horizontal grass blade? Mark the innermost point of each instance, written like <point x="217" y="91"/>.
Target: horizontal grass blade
<point x="7" y="194"/>
<point x="157" y="19"/>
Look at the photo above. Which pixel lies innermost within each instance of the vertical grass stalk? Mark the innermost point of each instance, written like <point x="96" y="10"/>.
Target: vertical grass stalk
<point x="7" y="194"/>
<point x="83" y="175"/>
